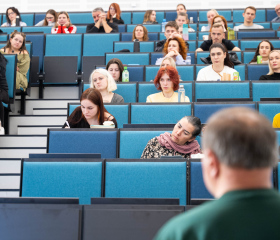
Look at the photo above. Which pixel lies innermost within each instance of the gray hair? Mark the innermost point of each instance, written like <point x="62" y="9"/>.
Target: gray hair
<point x="111" y="86"/>
<point x="241" y="138"/>
<point x="98" y="9"/>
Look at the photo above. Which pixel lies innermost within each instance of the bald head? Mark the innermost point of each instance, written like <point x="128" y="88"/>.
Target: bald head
<point x="277" y="9"/>
<point x="241" y="138"/>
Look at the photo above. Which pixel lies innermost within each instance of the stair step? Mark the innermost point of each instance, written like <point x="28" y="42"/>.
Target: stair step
<point x="20" y="152"/>
<point x="10" y="182"/>
<point x="10" y="166"/>
<point x="49" y="111"/>
<point x="16" y="141"/>
<point x="35" y="130"/>
<point x="9" y="194"/>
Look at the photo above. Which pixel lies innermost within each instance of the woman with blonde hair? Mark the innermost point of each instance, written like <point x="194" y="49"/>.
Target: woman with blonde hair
<point x="103" y="81"/>
<point x="140" y="33"/>
<point x="168" y="61"/>
<point x="274" y="66"/>
<point x="63" y="24"/>
<point x="150" y="17"/>
<point x="114" y="14"/>
<point x="210" y="15"/>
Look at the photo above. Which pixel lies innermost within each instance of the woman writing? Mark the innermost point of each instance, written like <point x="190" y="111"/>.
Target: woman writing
<point x="150" y="17"/>
<point x="115" y="68"/>
<point x="49" y="20"/>
<point x="174" y="47"/>
<point x="167" y="81"/>
<point x="12" y="14"/>
<point x="181" y="142"/>
<point x="222" y="67"/>
<point x="274" y="66"/>
<point x="63" y="24"/>
<point x="102" y="80"/>
<point x="16" y="45"/>
<point x="91" y="111"/>
<point x="263" y="49"/>
<point x="114" y="14"/>
<point x="140" y="33"/>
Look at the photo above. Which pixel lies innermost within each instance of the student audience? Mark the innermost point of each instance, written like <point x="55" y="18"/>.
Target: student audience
<point x="63" y="24"/>
<point x="115" y="68"/>
<point x="263" y="49"/>
<point x="274" y="66"/>
<point x="102" y="80"/>
<point x="114" y="14"/>
<point x="100" y="24"/>
<point x="221" y="65"/>
<point x="210" y="15"/>
<point x="277" y="10"/>
<point x="140" y="33"/>
<point x="16" y="45"/>
<point x="167" y="81"/>
<point x="249" y="16"/>
<point x="182" y="18"/>
<point x="175" y="47"/>
<point x="181" y="142"/>
<point x="240" y="150"/>
<point x="91" y="111"/>
<point x="4" y="95"/>
<point x="49" y="20"/>
<point x="150" y="17"/>
<point x="11" y="15"/>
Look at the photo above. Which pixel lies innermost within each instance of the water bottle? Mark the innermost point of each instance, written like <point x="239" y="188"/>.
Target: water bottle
<point x="125" y="75"/>
<point x="163" y="25"/>
<point x="181" y="94"/>
<point x="185" y="32"/>
<point x="2" y="130"/>
<point x="188" y="59"/>
<point x="17" y="21"/>
<point x="191" y="19"/>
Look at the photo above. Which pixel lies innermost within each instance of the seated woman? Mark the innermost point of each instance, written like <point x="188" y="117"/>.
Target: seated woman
<point x="276" y="121"/>
<point x="167" y="81"/>
<point x="16" y="45"/>
<point x="49" y="20"/>
<point x="63" y="24"/>
<point x="114" y="14"/>
<point x="181" y="8"/>
<point x="140" y="33"/>
<point x="274" y="66"/>
<point x="181" y="142"/>
<point x="175" y="47"/>
<point x="221" y="69"/>
<point x="168" y="61"/>
<point x="210" y="15"/>
<point x="11" y="15"/>
<point x="150" y="17"/>
<point x="182" y="18"/>
<point x="102" y="80"/>
<point x="115" y="68"/>
<point x="263" y="49"/>
<point x="91" y="111"/>
<point x="221" y="20"/>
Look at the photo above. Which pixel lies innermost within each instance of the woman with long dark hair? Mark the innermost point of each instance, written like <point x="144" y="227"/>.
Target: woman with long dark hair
<point x="221" y="66"/>
<point x="11" y="15"/>
<point x="263" y="49"/>
<point x="91" y="111"/>
<point x="115" y="68"/>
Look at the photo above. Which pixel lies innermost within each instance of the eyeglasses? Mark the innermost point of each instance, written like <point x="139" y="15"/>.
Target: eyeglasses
<point x="49" y="17"/>
<point x="11" y="13"/>
<point x="112" y="8"/>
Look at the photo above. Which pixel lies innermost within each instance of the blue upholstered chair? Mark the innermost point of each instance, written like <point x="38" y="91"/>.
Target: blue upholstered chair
<point x="265" y="89"/>
<point x="81" y="18"/>
<point x="254" y="71"/>
<point x="260" y="16"/>
<point x="269" y="109"/>
<point x="130" y="58"/>
<point x="45" y="29"/>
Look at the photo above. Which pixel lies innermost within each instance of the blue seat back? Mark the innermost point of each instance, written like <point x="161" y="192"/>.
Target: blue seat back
<point x="62" y="180"/>
<point x="130" y="58"/>
<point x="171" y="16"/>
<point x="122" y="28"/>
<point x="150" y="27"/>
<point x="38" y="17"/>
<point x="275" y="25"/>
<point x="136" y="73"/>
<point x="270" y="14"/>
<point x="203" y="55"/>
<point x="197" y="186"/>
<point x="103" y="43"/>
<point x="9" y="30"/>
<point x="11" y="68"/>
<point x="193" y="14"/>
<point x="123" y="45"/>
<point x="150" y="73"/>
<point x="72" y="141"/>
<point x="3" y="37"/>
<point x="156" y="113"/>
<point x="146" y="180"/>
<point x="137" y="17"/>
<point x="132" y="143"/>
<point x="126" y="36"/>
<point x="222" y="90"/>
<point x="155" y="56"/>
<point x="45" y="30"/>
<point x="59" y="45"/>
<point x="248" y="56"/>
<point x="126" y="17"/>
<point x="28" y="18"/>
<point x="147" y="46"/>
<point x="256" y="34"/>
<point x="256" y="70"/>
<point x="192" y="45"/>
<point x="81" y="29"/>
<point x="200" y="25"/>
<point x="81" y="18"/>
<point x="128" y="91"/>
<point x="269" y="110"/>
<point x="241" y="68"/>
<point x="260" y="16"/>
<point x="153" y="36"/>
<point x="205" y="110"/>
<point x="265" y="89"/>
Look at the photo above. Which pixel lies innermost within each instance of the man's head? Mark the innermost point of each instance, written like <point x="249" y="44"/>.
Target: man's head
<point x="277" y="9"/>
<point x="217" y="33"/>
<point x="170" y="27"/>
<point x="237" y="143"/>
<point x="249" y="14"/>
<point x="96" y="12"/>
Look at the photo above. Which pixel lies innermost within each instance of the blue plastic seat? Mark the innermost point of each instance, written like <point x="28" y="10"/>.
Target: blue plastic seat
<point x="9" y="30"/>
<point x="126" y="17"/>
<point x="130" y="58"/>
<point x="11" y="68"/>
<point x="81" y="29"/>
<point x="256" y="34"/>
<point x="3" y="38"/>
<point x="45" y="30"/>
<point x="248" y="56"/>
<point x="241" y="68"/>
<point x="81" y="18"/>
<point x="123" y="45"/>
<point x="260" y="16"/>
<point x="269" y="109"/>
<point x="147" y="46"/>
<point x="256" y="70"/>
<point x="265" y="89"/>
<point x="39" y="17"/>
<point x="270" y="14"/>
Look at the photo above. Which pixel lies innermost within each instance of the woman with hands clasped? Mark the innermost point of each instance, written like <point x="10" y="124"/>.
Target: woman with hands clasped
<point x="174" y="47"/>
<point x="63" y="24"/>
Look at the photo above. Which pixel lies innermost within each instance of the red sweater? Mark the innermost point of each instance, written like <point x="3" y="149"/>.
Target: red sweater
<point x="63" y="29"/>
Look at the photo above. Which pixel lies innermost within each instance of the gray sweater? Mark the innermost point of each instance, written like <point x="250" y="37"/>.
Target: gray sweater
<point x="117" y="98"/>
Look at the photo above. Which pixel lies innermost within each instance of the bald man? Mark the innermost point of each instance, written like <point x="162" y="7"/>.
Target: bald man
<point x="240" y="149"/>
<point x="277" y="10"/>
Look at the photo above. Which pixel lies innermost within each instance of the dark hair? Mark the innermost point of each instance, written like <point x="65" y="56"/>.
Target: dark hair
<point x="145" y="37"/>
<point x="182" y="46"/>
<point x="52" y="12"/>
<point x="195" y="121"/>
<point x="173" y="75"/>
<point x="15" y="10"/>
<point x="172" y="24"/>
<point x="119" y="63"/>
<point x="181" y="4"/>
<point x="13" y="34"/>
<point x="117" y="9"/>
<point x="227" y="61"/>
<point x="258" y="50"/>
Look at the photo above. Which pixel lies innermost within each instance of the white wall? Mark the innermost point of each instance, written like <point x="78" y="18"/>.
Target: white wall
<point x="88" y="5"/>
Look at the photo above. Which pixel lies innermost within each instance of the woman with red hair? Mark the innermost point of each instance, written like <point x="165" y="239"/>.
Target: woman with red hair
<point x="114" y="14"/>
<point x="175" y="47"/>
<point x="167" y="81"/>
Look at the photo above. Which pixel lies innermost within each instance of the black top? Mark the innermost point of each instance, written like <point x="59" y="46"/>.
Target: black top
<point x="160" y="45"/>
<point x="207" y="44"/>
<point x="3" y="80"/>
<point x="92" y="29"/>
<point x="274" y="76"/>
<point x="116" y="21"/>
<point x="77" y="114"/>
